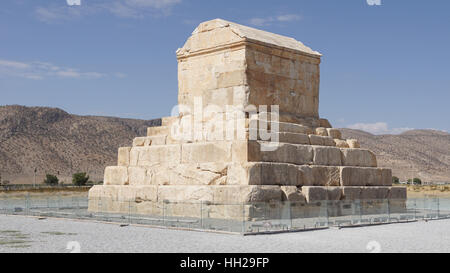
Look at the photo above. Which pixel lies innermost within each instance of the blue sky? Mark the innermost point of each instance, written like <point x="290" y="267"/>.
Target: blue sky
<point x="385" y="68"/>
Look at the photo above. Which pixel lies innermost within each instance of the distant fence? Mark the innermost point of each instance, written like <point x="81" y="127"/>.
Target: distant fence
<point x="20" y="187"/>
<point x="246" y="218"/>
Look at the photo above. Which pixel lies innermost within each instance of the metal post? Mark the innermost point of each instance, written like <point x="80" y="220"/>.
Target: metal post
<point x="360" y="211"/>
<point x="164" y="212"/>
<point x="243" y="218"/>
<point x="389" y="210"/>
<point x="437" y="207"/>
<point x="201" y="214"/>
<point x="129" y="211"/>
<point x="290" y="213"/>
<point x="415" y="210"/>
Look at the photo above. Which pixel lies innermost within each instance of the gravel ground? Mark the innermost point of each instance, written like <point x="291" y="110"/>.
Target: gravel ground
<point x="28" y="234"/>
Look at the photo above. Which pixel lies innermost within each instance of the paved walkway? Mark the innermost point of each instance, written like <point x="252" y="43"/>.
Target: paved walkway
<point x="28" y="234"/>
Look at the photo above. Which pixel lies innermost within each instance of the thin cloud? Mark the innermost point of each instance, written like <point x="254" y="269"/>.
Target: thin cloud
<point x="120" y="8"/>
<point x="42" y="70"/>
<point x="257" y="21"/>
<point x="378" y="128"/>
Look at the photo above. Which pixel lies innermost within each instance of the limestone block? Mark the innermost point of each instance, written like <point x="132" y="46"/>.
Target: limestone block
<point x="139" y="141"/>
<point x="334" y="193"/>
<point x="293" y="128"/>
<point x="316" y="140"/>
<point x="102" y="197"/>
<point x="96" y="191"/>
<point x="150" y="140"/>
<point x="180" y="193"/>
<point x="362" y="176"/>
<point x="139" y="176"/>
<point x="239" y="151"/>
<point x="386" y="177"/>
<point x="261" y="194"/>
<point x="231" y="78"/>
<point x="292" y="194"/>
<point x="203" y="174"/>
<point x="146" y="193"/>
<point x="284" y="153"/>
<point x="351" y="193"/>
<point x="124" y="156"/>
<point x="320" y="140"/>
<point x="243" y="173"/>
<point x="188" y="174"/>
<point x="322" y="176"/>
<point x="263" y="173"/>
<point x="368" y="193"/>
<point x="358" y="157"/>
<point x="219" y="151"/>
<point x="398" y="193"/>
<point x="313" y="194"/>
<point x="279" y="174"/>
<point x="158" y="130"/>
<point x="168" y="121"/>
<point x="328" y="141"/>
<point x="228" y="194"/>
<point x="236" y="195"/>
<point x="353" y="143"/>
<point x="341" y="143"/>
<point x="321" y="131"/>
<point x="324" y="123"/>
<point x="126" y="195"/>
<point x="334" y="133"/>
<point x="147" y="156"/>
<point x="329" y="156"/>
<point x="317" y="193"/>
<point x="157" y="140"/>
<point x="294" y="138"/>
<point x="116" y="175"/>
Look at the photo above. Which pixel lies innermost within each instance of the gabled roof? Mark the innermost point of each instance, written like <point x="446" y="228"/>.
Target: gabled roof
<point x="242" y="33"/>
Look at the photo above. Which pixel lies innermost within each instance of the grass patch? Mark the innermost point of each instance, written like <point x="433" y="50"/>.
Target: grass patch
<point x="9" y="231"/>
<point x="14" y="239"/>
<point x="57" y="233"/>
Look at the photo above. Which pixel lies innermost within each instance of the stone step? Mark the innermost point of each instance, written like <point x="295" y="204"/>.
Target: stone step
<point x="226" y="194"/>
<point x="150" y="140"/>
<point x="242" y="151"/>
<point x="158" y="130"/>
<point x="309" y="154"/>
<point x="238" y="194"/>
<point x="288" y="137"/>
<point x="382" y="193"/>
<point x="246" y="173"/>
<point x="281" y="127"/>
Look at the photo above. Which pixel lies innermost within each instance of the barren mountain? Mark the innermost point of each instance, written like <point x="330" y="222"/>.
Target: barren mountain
<point x="418" y="153"/>
<point x="53" y="141"/>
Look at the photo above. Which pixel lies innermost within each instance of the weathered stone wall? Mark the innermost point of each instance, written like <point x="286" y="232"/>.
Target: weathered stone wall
<point x="223" y="63"/>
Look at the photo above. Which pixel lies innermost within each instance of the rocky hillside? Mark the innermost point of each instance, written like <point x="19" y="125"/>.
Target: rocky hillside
<point x="419" y="153"/>
<point x="54" y="141"/>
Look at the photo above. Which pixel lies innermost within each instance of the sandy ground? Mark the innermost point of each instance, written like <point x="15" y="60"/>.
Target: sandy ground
<point x="33" y="194"/>
<point x="28" y="234"/>
<point x="428" y="191"/>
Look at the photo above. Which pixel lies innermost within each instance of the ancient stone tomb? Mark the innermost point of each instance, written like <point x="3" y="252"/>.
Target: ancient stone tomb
<point x="247" y="130"/>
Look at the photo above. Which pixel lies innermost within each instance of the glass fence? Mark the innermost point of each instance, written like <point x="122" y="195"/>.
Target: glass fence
<point x="249" y="218"/>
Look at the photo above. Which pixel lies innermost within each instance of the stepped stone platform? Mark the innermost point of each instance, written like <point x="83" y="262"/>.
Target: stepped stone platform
<point x="225" y="146"/>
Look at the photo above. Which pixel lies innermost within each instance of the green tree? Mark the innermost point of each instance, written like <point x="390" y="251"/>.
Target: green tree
<point x="51" y="179"/>
<point x="415" y="181"/>
<point x="395" y="180"/>
<point x="80" y="179"/>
